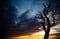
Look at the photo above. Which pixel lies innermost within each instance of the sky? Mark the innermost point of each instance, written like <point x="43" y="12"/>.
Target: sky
<point x="40" y="34"/>
<point x="24" y="5"/>
<point x="18" y="16"/>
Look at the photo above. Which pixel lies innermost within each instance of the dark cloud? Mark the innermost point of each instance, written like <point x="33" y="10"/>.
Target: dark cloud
<point x="9" y="27"/>
<point x="24" y="24"/>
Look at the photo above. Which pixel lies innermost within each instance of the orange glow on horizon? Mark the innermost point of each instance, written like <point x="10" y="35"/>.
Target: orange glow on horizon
<point x="27" y="37"/>
<point x="32" y="37"/>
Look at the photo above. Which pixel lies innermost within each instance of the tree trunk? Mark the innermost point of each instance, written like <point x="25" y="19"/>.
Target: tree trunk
<point x="46" y="36"/>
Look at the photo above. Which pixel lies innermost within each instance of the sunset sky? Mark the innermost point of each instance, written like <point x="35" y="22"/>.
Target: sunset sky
<point x="40" y="35"/>
<point x="19" y="19"/>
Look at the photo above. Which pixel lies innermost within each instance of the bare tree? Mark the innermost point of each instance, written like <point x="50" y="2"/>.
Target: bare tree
<point x="46" y="10"/>
<point x="46" y="18"/>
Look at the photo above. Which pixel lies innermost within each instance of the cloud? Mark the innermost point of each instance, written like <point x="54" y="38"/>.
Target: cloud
<point x="24" y="26"/>
<point x="21" y="25"/>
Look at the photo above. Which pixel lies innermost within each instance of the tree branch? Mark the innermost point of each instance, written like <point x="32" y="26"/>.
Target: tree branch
<point x="43" y="24"/>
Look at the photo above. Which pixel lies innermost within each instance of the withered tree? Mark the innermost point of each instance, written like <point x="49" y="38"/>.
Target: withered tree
<point x="47" y="30"/>
<point x="49" y="24"/>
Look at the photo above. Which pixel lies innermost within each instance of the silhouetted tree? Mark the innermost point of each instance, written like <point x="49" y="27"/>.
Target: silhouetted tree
<point x="47" y="30"/>
<point x="46" y="19"/>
